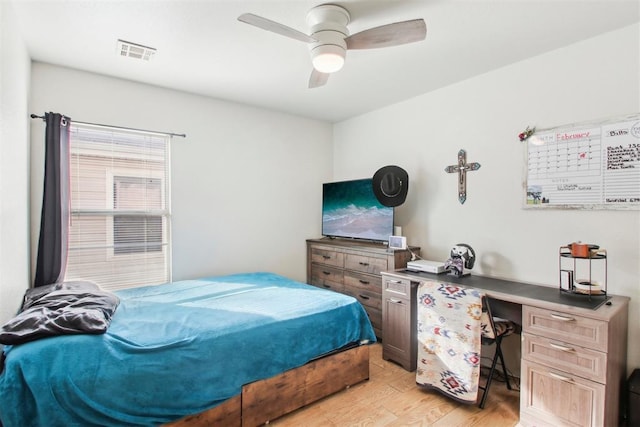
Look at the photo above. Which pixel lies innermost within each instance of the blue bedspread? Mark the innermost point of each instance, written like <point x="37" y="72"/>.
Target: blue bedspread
<point x="176" y="349"/>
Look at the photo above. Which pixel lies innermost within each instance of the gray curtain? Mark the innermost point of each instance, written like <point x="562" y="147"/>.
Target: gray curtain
<point x="54" y="222"/>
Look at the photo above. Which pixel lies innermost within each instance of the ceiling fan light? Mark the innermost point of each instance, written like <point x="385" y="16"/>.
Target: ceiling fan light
<point x="328" y="58"/>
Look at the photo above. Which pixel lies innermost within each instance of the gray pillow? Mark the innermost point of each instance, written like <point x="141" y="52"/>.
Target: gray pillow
<point x="60" y="309"/>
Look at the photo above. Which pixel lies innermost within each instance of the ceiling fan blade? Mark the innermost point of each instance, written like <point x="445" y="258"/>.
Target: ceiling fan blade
<point x="269" y="25"/>
<point x="317" y="79"/>
<point x="389" y="35"/>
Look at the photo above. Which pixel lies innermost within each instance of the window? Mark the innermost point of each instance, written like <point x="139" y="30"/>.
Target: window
<point x="119" y="234"/>
<point x="136" y="234"/>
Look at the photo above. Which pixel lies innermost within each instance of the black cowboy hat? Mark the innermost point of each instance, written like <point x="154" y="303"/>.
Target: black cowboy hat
<point x="390" y="185"/>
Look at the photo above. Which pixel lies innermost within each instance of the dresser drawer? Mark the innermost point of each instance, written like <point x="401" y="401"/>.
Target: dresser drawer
<point x="564" y="327"/>
<point x="375" y="316"/>
<point x="365" y="264"/>
<point x="327" y="277"/>
<point x="364" y="282"/>
<point x="367" y="298"/>
<point x="327" y="257"/>
<point x="576" y="360"/>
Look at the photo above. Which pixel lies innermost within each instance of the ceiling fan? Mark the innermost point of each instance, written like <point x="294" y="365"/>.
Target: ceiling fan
<point x="329" y="37"/>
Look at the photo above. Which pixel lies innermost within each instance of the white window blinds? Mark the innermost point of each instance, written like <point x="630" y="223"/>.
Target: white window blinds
<point x="120" y="231"/>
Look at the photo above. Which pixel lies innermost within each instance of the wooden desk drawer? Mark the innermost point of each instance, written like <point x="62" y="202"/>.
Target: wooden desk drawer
<point x="565" y="327"/>
<point x="397" y="287"/>
<point x="365" y="264"/>
<point x="576" y="360"/>
<point x="327" y="277"/>
<point x="553" y="398"/>
<point x="327" y="257"/>
<point x="365" y="282"/>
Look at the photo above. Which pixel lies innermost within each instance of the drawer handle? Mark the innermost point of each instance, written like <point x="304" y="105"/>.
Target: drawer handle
<point x="563" y="318"/>
<point x="561" y="377"/>
<point x="363" y="296"/>
<point x="364" y="264"/>
<point x="327" y="286"/>
<point x="395" y="281"/>
<point x="395" y="301"/>
<point x="561" y="347"/>
<point x="364" y="282"/>
<point x="328" y="273"/>
<point x="326" y="257"/>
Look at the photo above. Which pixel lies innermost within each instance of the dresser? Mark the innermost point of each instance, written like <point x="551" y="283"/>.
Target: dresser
<point x="353" y="268"/>
<point x="574" y="348"/>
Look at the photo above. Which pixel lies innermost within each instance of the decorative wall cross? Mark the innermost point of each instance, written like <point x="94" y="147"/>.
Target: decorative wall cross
<point x="462" y="167"/>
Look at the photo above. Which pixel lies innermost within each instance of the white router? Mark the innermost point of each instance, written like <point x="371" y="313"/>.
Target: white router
<point x="426" y="266"/>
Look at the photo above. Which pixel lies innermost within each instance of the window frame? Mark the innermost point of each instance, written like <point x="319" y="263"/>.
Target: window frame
<point x="118" y="157"/>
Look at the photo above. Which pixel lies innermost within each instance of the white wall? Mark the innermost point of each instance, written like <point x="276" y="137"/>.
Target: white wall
<point x="14" y="165"/>
<point x="593" y="79"/>
<point x="245" y="181"/>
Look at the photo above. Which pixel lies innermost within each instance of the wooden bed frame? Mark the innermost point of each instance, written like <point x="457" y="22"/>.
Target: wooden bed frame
<point x="265" y="400"/>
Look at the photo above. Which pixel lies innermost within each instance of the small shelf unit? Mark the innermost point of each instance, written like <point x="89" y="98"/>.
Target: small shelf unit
<point x="583" y="275"/>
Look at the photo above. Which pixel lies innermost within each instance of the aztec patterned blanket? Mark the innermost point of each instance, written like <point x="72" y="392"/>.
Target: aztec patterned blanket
<point x="449" y="339"/>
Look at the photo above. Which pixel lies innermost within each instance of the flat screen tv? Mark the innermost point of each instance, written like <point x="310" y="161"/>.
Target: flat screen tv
<point x="351" y="210"/>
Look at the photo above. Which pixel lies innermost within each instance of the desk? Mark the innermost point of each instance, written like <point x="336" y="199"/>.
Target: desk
<point x="574" y="348"/>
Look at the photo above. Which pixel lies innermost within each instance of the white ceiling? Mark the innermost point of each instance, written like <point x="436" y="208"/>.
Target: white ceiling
<point x="202" y="48"/>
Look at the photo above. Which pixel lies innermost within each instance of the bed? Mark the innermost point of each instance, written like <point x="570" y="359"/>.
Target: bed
<point x="193" y="352"/>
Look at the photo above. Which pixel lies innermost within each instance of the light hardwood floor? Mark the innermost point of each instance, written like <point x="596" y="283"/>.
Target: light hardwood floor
<point x="391" y="398"/>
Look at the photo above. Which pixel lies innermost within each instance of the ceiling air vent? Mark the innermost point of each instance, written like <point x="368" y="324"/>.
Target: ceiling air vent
<point x="136" y="51"/>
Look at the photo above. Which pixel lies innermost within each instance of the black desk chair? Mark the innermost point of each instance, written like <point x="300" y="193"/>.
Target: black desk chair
<point x="494" y="329"/>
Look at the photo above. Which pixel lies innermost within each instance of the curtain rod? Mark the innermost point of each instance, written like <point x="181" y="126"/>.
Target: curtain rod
<point x="182" y="135"/>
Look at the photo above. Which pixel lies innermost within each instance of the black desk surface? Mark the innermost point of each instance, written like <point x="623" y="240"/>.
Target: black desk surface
<point x="521" y="290"/>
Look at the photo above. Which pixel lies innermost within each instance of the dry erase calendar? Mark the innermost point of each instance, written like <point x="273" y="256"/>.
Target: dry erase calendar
<point x="592" y="165"/>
